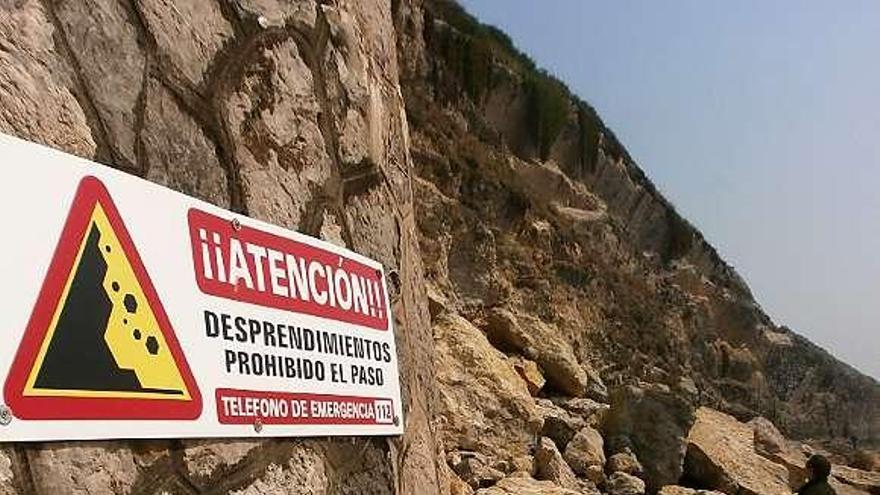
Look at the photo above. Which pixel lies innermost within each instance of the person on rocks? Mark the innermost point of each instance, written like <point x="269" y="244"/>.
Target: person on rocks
<point x="819" y="469"/>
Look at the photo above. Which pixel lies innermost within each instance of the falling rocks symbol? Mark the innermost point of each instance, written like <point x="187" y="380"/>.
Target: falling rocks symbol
<point x="98" y="344"/>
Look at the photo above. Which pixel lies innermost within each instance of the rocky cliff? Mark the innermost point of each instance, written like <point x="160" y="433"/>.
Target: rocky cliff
<point x="527" y="203"/>
<point x="287" y="111"/>
<point x="558" y="322"/>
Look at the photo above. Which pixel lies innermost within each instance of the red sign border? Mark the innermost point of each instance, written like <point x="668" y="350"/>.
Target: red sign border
<point x="89" y="192"/>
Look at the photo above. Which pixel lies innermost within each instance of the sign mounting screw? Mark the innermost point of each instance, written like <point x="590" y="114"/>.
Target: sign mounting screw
<point x="258" y="425"/>
<point x="396" y="420"/>
<point x="236" y="224"/>
<point x="5" y="416"/>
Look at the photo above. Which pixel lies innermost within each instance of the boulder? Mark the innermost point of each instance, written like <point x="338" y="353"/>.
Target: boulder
<point x="455" y="485"/>
<point x="585" y="454"/>
<point x="768" y="438"/>
<point x="625" y="462"/>
<point x="656" y="422"/>
<point x="523" y="484"/>
<point x="473" y="468"/>
<point x="721" y="455"/>
<point x="530" y="373"/>
<point x="680" y="490"/>
<point x="867" y="481"/>
<point x="593" y="412"/>
<point x="542" y="343"/>
<point x="484" y="405"/>
<point x="844" y="489"/>
<point x="559" y="424"/>
<point x="550" y="465"/>
<point x="624" y="484"/>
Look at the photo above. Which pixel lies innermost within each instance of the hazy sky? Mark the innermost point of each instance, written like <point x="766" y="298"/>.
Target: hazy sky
<point x="759" y="119"/>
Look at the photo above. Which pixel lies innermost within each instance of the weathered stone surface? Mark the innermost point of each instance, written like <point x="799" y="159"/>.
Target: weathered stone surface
<point x="522" y="484"/>
<point x="624" y="484"/>
<point x="484" y="404"/>
<point x="768" y="439"/>
<point x="80" y="469"/>
<point x="273" y="115"/>
<point x="529" y="372"/>
<point x="36" y="102"/>
<point x="625" y="462"/>
<point x="593" y="412"/>
<point x="205" y="459"/>
<point x="474" y="468"/>
<point x="586" y="456"/>
<point x="559" y="424"/>
<point x="455" y="485"/>
<point x="656" y="422"/>
<point x="303" y="473"/>
<point x="6" y="475"/>
<point x="550" y="465"/>
<point x="178" y="154"/>
<point x="680" y="490"/>
<point x="105" y="46"/>
<point x="189" y="33"/>
<point x="868" y="481"/>
<point x="277" y="13"/>
<point x="844" y="489"/>
<point x="721" y="455"/>
<point x="542" y="343"/>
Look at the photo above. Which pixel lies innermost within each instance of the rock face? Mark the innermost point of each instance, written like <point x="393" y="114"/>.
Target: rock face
<point x="551" y="466"/>
<point x="522" y="484"/>
<point x="721" y="455"/>
<point x="300" y="123"/>
<point x="535" y="221"/>
<point x="585" y="454"/>
<point x="485" y="405"/>
<point x="656" y="423"/>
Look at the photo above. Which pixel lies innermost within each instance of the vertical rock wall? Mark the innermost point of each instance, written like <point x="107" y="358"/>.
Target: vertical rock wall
<point x="286" y="110"/>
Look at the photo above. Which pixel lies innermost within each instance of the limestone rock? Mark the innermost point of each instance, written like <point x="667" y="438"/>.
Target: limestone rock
<point x="528" y="370"/>
<point x="485" y="405"/>
<point x="190" y="33"/>
<point x="6" y="475"/>
<point x="178" y="153"/>
<point x="721" y="455"/>
<point x="305" y="470"/>
<point x="79" y="469"/>
<point x="550" y="465"/>
<point x="559" y="424"/>
<point x="593" y="412"/>
<point x="585" y="454"/>
<point x="868" y="481"/>
<point x="625" y="462"/>
<point x="207" y="459"/>
<point x="656" y="423"/>
<point x="680" y="490"/>
<point x="275" y="131"/>
<point x="542" y="343"/>
<point x="36" y="102"/>
<point x="624" y="484"/>
<point x="473" y="468"/>
<point x="105" y="46"/>
<point x="277" y="13"/>
<point x="456" y="485"/>
<point x="768" y="438"/>
<point x="522" y="484"/>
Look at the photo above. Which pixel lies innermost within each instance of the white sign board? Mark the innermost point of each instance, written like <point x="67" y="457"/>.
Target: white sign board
<point x="132" y="311"/>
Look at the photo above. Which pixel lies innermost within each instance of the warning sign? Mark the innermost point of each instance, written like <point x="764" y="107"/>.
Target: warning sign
<point x="99" y="344"/>
<point x="132" y="311"/>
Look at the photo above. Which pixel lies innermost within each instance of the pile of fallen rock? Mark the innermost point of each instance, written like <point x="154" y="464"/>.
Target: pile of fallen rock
<point x="520" y="415"/>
